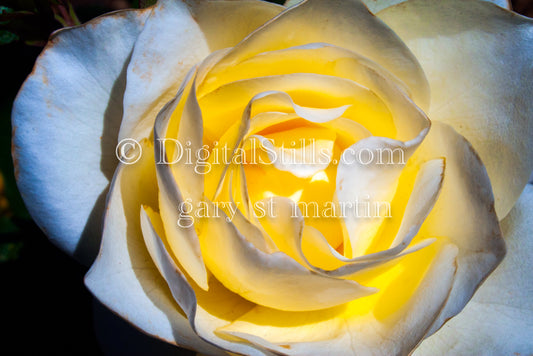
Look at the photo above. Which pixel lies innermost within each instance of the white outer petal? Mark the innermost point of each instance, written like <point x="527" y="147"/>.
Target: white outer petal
<point x="125" y="279"/>
<point x="169" y="45"/>
<point x="65" y="121"/>
<point x="464" y="213"/>
<point x="499" y="318"/>
<point x="377" y="5"/>
<point x="478" y="60"/>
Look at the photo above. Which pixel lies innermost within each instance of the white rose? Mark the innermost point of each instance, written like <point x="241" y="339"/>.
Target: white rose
<point x="431" y="82"/>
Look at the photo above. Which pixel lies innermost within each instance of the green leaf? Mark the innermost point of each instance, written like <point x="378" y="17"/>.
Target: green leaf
<point x="7" y="37"/>
<point x="7" y="226"/>
<point x="10" y="251"/>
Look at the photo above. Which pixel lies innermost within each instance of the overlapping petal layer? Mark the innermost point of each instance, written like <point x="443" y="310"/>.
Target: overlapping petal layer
<point x="283" y="282"/>
<point x="377" y="5"/>
<point x="498" y="318"/>
<point x="270" y="268"/>
<point x="126" y="279"/>
<point x="77" y="101"/>
<point x="159" y="63"/>
<point x="477" y="58"/>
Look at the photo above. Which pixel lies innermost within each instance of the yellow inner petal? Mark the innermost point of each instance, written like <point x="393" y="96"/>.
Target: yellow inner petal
<point x="225" y="105"/>
<point x="312" y="194"/>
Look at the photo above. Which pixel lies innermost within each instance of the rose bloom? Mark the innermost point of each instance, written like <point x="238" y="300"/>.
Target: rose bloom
<point x="421" y="108"/>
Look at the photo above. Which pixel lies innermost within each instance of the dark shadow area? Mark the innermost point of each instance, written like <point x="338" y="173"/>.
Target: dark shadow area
<point x="46" y="309"/>
<point x="117" y="337"/>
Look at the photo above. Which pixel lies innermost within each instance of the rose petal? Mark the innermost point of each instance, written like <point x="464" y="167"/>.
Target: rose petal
<point x="498" y="319"/>
<point x="174" y="197"/>
<point x="286" y="228"/>
<point x="65" y="122"/>
<point x="123" y="277"/>
<point x="226" y="23"/>
<point x="346" y="24"/>
<point x="247" y="225"/>
<point x="422" y="199"/>
<point x="201" y="319"/>
<point x="274" y="280"/>
<point x="253" y="97"/>
<point x="347" y="130"/>
<point x="318" y="248"/>
<point x="317" y="58"/>
<point x="181" y="121"/>
<point x="464" y="213"/>
<point x="304" y="161"/>
<point x="369" y="170"/>
<point x="281" y="108"/>
<point x="477" y="57"/>
<point x="169" y="45"/>
<point x="224" y="106"/>
<point x="353" y="329"/>
<point x="178" y="35"/>
<point x="377" y="5"/>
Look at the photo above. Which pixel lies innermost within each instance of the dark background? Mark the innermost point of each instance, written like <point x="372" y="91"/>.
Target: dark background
<point x="45" y="308"/>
